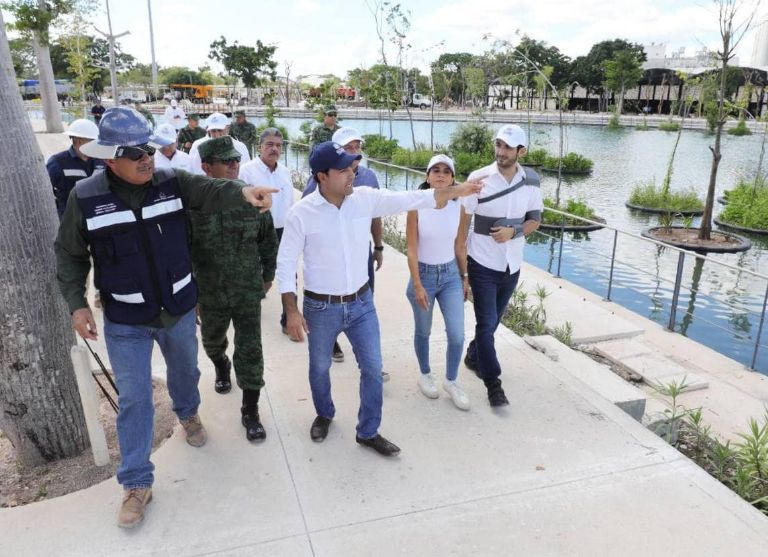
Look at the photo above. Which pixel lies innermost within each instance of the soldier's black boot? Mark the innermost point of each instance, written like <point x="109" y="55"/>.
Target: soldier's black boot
<point x="222" y="385"/>
<point x="254" y="431"/>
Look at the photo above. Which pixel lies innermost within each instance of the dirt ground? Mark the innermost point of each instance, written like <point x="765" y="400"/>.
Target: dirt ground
<point x="21" y="486"/>
<point x="690" y="237"/>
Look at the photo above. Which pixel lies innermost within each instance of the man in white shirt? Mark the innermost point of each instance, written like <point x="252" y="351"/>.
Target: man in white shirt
<point x="217" y="125"/>
<point x="169" y="156"/>
<point x="508" y="209"/>
<point x="266" y="169"/>
<point x="331" y="229"/>
<point x="174" y="115"/>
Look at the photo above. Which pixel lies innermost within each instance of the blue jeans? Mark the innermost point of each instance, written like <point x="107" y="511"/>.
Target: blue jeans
<point x="358" y="320"/>
<point x="491" y="292"/>
<point x="442" y="283"/>
<point x="130" y="353"/>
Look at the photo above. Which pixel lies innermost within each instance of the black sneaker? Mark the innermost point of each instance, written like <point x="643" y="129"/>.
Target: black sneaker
<point x="380" y="445"/>
<point x="338" y="355"/>
<point x="319" y="430"/>
<point x="254" y="431"/>
<point x="222" y="384"/>
<point x="496" y="396"/>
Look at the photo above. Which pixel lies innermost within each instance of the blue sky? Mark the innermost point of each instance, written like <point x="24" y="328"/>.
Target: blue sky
<point x="331" y="37"/>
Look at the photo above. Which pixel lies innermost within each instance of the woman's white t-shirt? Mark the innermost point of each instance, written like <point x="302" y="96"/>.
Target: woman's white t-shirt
<point x="437" y="234"/>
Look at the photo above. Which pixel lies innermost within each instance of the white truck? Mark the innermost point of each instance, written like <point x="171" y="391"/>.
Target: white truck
<point x="422" y="101"/>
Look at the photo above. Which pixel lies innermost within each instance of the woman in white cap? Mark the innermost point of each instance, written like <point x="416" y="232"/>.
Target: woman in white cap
<point x="437" y="260"/>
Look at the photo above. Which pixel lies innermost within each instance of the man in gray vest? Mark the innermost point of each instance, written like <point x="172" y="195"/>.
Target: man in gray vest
<point x="508" y="209"/>
<point x="131" y="220"/>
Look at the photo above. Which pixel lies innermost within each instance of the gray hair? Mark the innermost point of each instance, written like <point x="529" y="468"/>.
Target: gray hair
<point x="269" y="132"/>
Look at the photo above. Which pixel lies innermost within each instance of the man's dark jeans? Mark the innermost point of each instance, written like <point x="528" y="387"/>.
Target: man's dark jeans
<point x="491" y="292"/>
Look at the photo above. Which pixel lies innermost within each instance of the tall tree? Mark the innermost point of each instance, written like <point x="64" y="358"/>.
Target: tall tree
<point x="589" y="70"/>
<point x="23" y="57"/>
<point x="249" y="64"/>
<point x="731" y="32"/>
<point x="34" y="19"/>
<point x="40" y="409"/>
<point x="622" y="71"/>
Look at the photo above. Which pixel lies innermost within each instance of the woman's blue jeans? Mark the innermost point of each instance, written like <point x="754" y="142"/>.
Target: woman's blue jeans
<point x="444" y="285"/>
<point x="130" y="353"/>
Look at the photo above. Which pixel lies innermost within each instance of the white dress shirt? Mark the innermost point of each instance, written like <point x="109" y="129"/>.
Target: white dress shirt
<point x="194" y="154"/>
<point x="179" y="161"/>
<point x="175" y="117"/>
<point x="334" y="241"/>
<point x="484" y="249"/>
<point x="256" y="173"/>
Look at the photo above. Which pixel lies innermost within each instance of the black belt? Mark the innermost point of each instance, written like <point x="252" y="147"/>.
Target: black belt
<point x="332" y="299"/>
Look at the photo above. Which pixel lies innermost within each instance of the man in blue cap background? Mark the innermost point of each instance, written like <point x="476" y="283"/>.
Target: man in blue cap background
<point x="131" y="220"/>
<point x="331" y="227"/>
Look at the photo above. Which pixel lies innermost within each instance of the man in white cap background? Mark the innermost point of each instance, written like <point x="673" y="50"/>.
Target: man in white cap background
<point x="66" y="168"/>
<point x="174" y="115"/>
<point x="508" y="209"/>
<point x="168" y="155"/>
<point x="216" y="125"/>
<point x="132" y="220"/>
<point x="352" y="143"/>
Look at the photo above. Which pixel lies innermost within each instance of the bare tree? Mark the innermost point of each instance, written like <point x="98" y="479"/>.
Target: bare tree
<point x="40" y="409"/>
<point x="731" y="33"/>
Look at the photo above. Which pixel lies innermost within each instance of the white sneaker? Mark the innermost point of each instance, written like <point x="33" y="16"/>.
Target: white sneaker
<point x="458" y="396"/>
<point x="427" y="385"/>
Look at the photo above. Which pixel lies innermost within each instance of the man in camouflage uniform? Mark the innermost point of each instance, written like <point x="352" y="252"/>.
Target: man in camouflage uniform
<point x="242" y="130"/>
<point x="324" y="132"/>
<point x="144" y="111"/>
<point x="234" y="255"/>
<point x="190" y="133"/>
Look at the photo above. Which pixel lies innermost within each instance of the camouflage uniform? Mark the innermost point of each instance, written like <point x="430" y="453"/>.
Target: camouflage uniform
<point x="234" y="253"/>
<point x="245" y="132"/>
<point x="147" y="114"/>
<point x="320" y="133"/>
<point x="190" y="135"/>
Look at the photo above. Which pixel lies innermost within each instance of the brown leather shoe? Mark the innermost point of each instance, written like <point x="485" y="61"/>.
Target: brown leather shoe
<point x="132" y="510"/>
<point x="196" y="434"/>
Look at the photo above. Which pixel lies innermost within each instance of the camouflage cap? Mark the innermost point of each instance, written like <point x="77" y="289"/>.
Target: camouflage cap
<point x="329" y="108"/>
<point x="239" y="112"/>
<point x="194" y="116"/>
<point x="220" y="148"/>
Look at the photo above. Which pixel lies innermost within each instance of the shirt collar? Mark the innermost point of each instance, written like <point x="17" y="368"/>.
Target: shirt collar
<point x="520" y="171"/>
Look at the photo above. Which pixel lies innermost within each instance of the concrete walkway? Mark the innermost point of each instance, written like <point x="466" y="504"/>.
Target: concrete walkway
<point x="561" y="471"/>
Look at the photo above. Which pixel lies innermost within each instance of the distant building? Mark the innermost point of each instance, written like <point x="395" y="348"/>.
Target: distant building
<point x="760" y="46"/>
<point x="703" y="59"/>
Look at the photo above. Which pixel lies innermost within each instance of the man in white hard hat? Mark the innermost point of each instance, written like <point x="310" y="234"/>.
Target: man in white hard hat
<point x="67" y="167"/>
<point x="168" y="156"/>
<point x="217" y="125"/>
<point x="174" y="115"/>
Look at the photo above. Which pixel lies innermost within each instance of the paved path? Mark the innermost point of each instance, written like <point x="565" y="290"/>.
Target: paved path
<point x="561" y="471"/>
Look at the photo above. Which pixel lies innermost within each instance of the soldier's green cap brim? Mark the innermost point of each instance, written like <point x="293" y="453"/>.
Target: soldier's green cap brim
<point x="239" y="112"/>
<point x="193" y="116"/>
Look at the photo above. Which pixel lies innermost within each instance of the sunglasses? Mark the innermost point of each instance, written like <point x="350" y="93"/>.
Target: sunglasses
<point x="134" y="153"/>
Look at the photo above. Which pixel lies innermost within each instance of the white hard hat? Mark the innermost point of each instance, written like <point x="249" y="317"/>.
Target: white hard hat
<point x="165" y="135"/>
<point x="82" y="128"/>
<point x="216" y="121"/>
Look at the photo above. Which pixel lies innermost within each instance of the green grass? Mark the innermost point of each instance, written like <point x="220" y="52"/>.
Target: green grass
<point x="534" y="157"/>
<point x="573" y="207"/>
<point x="649" y="195"/>
<point x="572" y="162"/>
<point x="379" y="147"/>
<point x="669" y="126"/>
<point x="740" y="129"/>
<point x="747" y="207"/>
<point x="413" y="159"/>
<point x="614" y="123"/>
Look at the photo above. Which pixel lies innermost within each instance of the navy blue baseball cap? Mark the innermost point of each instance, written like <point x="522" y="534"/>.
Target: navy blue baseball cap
<point x="329" y="155"/>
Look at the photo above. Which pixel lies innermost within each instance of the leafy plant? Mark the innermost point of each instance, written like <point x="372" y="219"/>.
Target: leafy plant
<point x="467" y="162"/>
<point x="614" y="123"/>
<point x="747" y="206"/>
<point x="379" y="147"/>
<point x="572" y="162"/>
<point x="649" y="195"/>
<point x="752" y="452"/>
<point x="472" y="137"/>
<point x="534" y="157"/>
<point x="740" y="129"/>
<point x="674" y="412"/>
<point x="573" y="207"/>
<point x="669" y="126"/>
<point x="413" y="159"/>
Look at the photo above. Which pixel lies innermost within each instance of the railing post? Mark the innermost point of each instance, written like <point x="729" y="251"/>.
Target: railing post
<point x="560" y="251"/>
<point x="676" y="291"/>
<point x="613" y="260"/>
<point x="759" y="330"/>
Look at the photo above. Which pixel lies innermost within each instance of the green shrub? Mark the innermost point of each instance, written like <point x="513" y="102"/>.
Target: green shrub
<point x="467" y="162"/>
<point x="471" y="137"/>
<point x="669" y="126"/>
<point x="643" y="126"/>
<point x="534" y="157"/>
<point x="413" y="159"/>
<point x="573" y="207"/>
<point x="283" y="130"/>
<point x="740" y="129"/>
<point x="614" y="123"/>
<point x="572" y="162"/>
<point x="379" y="147"/>
<point x="747" y="206"/>
<point x="648" y="195"/>
<point x="305" y="139"/>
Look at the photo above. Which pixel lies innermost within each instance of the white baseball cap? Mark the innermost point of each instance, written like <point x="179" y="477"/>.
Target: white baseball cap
<point x="512" y="135"/>
<point x="165" y="135"/>
<point x="445" y="159"/>
<point x="174" y="102"/>
<point x="216" y="121"/>
<point x="344" y="136"/>
<point x="82" y="128"/>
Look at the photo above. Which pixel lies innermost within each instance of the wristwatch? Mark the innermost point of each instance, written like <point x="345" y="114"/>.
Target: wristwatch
<point x="378" y="248"/>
